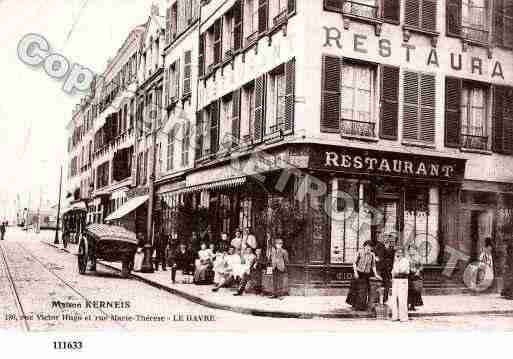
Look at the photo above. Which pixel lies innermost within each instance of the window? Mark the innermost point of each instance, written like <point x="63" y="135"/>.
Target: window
<point x="228" y="35"/>
<point x="276" y="100"/>
<point x="420" y="14"/>
<point x="278" y="10"/>
<point x="502" y="125"/>
<point x="419" y="107"/>
<point x="250" y="21"/>
<point x="357" y="100"/>
<point x="171" y="149"/>
<point x="474" y="20"/>
<point x="362" y="8"/>
<point x="247" y="112"/>
<point x="132" y="114"/>
<point x="473" y="117"/>
<point x="102" y="175"/>
<point x="503" y="23"/>
<point x="226" y="121"/>
<point x="174" y="81"/>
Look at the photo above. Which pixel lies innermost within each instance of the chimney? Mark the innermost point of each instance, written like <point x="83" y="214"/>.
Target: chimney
<point x="154" y="9"/>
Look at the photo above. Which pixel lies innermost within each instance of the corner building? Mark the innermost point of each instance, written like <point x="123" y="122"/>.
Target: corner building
<point x="328" y="123"/>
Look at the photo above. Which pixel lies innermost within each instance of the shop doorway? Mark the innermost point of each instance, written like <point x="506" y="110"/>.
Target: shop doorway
<point x="480" y="229"/>
<point x="389" y="223"/>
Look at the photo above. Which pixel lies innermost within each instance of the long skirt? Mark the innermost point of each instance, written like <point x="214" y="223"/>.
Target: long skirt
<point x="203" y="275"/>
<point x="359" y="291"/>
<point x="414" y="291"/>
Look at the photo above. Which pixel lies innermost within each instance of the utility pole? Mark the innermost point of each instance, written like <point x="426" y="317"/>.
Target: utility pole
<point x="56" y="240"/>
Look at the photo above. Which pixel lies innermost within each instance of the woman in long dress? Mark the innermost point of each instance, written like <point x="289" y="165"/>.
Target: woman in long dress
<point x="203" y="273"/>
<point x="414" y="279"/>
<point x="363" y="268"/>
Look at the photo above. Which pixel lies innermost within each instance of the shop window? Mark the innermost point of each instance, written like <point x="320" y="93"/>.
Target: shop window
<point x="358" y="98"/>
<point x="350" y="219"/>
<point x="421" y="221"/>
<point x="473" y="117"/>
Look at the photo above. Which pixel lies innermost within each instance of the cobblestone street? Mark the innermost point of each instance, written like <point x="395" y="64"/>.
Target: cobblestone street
<point x="43" y="275"/>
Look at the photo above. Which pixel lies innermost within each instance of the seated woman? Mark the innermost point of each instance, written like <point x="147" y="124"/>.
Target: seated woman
<point x="231" y="268"/>
<point x="203" y="273"/>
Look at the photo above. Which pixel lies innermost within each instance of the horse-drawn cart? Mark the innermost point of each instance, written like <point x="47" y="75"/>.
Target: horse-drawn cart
<point x="106" y="242"/>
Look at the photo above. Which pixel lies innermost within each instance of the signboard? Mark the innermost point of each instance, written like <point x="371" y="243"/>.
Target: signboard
<point x="354" y="160"/>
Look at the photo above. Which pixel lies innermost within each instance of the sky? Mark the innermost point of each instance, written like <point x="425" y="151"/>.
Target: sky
<point x="34" y="110"/>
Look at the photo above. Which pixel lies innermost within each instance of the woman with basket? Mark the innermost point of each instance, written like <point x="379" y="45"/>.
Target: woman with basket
<point x="414" y="279"/>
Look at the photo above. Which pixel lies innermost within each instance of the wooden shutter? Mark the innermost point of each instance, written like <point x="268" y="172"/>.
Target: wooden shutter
<point x="453" y="17"/>
<point x="214" y="126"/>
<point x="410" y="105"/>
<point x="201" y="56"/>
<point x="290" y="97"/>
<point x="389" y="113"/>
<point x="260" y="87"/>
<point x="237" y="25"/>
<point x="218" y="41"/>
<point x="507" y="122"/>
<point x="263" y="15"/>
<point x="291" y="6"/>
<point x="503" y="23"/>
<point x="502" y="126"/>
<point x="199" y="135"/>
<point x="166" y="86"/>
<point x="429" y="15"/>
<point x="330" y="96"/>
<point x="236" y="117"/>
<point x="170" y="149"/>
<point x="186" y="140"/>
<point x="453" y="88"/>
<point x="177" y="79"/>
<point x="168" y="24"/>
<point x="187" y="73"/>
<point x="412" y="13"/>
<point x="427" y="107"/>
<point x="391" y="10"/>
<point x="333" y="5"/>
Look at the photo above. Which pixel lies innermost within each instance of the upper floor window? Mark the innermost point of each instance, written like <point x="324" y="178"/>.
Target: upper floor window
<point x="171" y="149"/>
<point x="275" y="118"/>
<point x="469" y="19"/>
<point x="503" y="23"/>
<point x="186" y="143"/>
<point x="250" y="21"/>
<point x="419" y="107"/>
<point x="420" y="14"/>
<point x="387" y="10"/>
<point x="247" y="112"/>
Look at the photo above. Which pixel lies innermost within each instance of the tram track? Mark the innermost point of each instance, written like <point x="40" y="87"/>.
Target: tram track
<point x="16" y="297"/>
<point x="23" y="312"/>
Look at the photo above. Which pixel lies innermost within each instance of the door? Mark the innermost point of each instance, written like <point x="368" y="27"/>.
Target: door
<point x="389" y="224"/>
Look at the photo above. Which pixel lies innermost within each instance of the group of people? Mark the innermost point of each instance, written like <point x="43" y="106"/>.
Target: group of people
<point x="227" y="263"/>
<point x="399" y="269"/>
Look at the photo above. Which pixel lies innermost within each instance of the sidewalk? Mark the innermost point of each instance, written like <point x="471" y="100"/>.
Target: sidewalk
<point x="312" y="306"/>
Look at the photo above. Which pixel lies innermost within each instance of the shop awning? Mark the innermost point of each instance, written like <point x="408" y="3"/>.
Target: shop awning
<point x="76" y="205"/>
<point x="223" y="184"/>
<point x="129" y="206"/>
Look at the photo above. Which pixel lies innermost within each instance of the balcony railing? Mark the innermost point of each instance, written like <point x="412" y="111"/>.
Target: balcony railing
<point x="359" y="9"/>
<point x="357" y="128"/>
<point x="280" y="18"/>
<point x="252" y="38"/>
<point x="475" y="33"/>
<point x="474" y="142"/>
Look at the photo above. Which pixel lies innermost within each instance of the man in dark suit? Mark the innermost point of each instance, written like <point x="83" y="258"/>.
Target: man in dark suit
<point x="182" y="259"/>
<point x="279" y="261"/>
<point x="160" y="258"/>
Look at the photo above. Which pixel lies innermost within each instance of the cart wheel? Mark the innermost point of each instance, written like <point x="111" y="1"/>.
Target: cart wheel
<point x="125" y="268"/>
<point x="82" y="257"/>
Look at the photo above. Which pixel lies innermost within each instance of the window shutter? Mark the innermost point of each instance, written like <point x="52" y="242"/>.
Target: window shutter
<point x="291" y="6"/>
<point x="453" y="88"/>
<point x="186" y="144"/>
<point x="389" y="102"/>
<point x="410" y="105"/>
<point x="263" y="15"/>
<point x="333" y="5"/>
<point x="170" y="149"/>
<point x="237" y="25"/>
<point x="218" y="41"/>
<point x="199" y="135"/>
<point x="236" y="117"/>
<point x="429" y="15"/>
<point x="330" y="96"/>
<point x="412" y="13"/>
<point x="391" y="10"/>
<point x="214" y="127"/>
<point x="497" y="114"/>
<point x="498" y="22"/>
<point x="507" y="122"/>
<point x="166" y="86"/>
<point x="201" y="56"/>
<point x="187" y="73"/>
<point x="260" y="86"/>
<point x="177" y="79"/>
<point x="453" y="17"/>
<point x="290" y="96"/>
<point x="168" y="24"/>
<point x="427" y="108"/>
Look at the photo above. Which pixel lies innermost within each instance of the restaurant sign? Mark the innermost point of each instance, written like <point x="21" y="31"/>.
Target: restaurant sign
<point x="354" y="160"/>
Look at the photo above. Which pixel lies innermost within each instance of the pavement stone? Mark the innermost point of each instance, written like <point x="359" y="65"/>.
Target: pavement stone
<point x="311" y="306"/>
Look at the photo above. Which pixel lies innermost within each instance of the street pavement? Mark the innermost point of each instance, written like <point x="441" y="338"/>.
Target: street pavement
<point x="43" y="275"/>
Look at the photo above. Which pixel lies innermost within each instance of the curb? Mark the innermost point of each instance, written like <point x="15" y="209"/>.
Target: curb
<point x="285" y="314"/>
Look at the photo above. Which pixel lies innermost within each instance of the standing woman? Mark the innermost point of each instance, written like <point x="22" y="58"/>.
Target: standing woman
<point x="399" y="298"/>
<point x="363" y="267"/>
<point x="414" y="279"/>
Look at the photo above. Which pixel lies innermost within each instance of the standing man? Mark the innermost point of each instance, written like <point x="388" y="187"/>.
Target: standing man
<point x="248" y="239"/>
<point x="182" y="259"/>
<point x="279" y="262"/>
<point x="2" y="231"/>
<point x="385" y="266"/>
<point x="399" y="297"/>
<point x="161" y="252"/>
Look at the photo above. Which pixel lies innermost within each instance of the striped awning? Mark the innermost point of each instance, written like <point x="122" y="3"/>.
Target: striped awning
<point x="129" y="206"/>
<point x="223" y="184"/>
